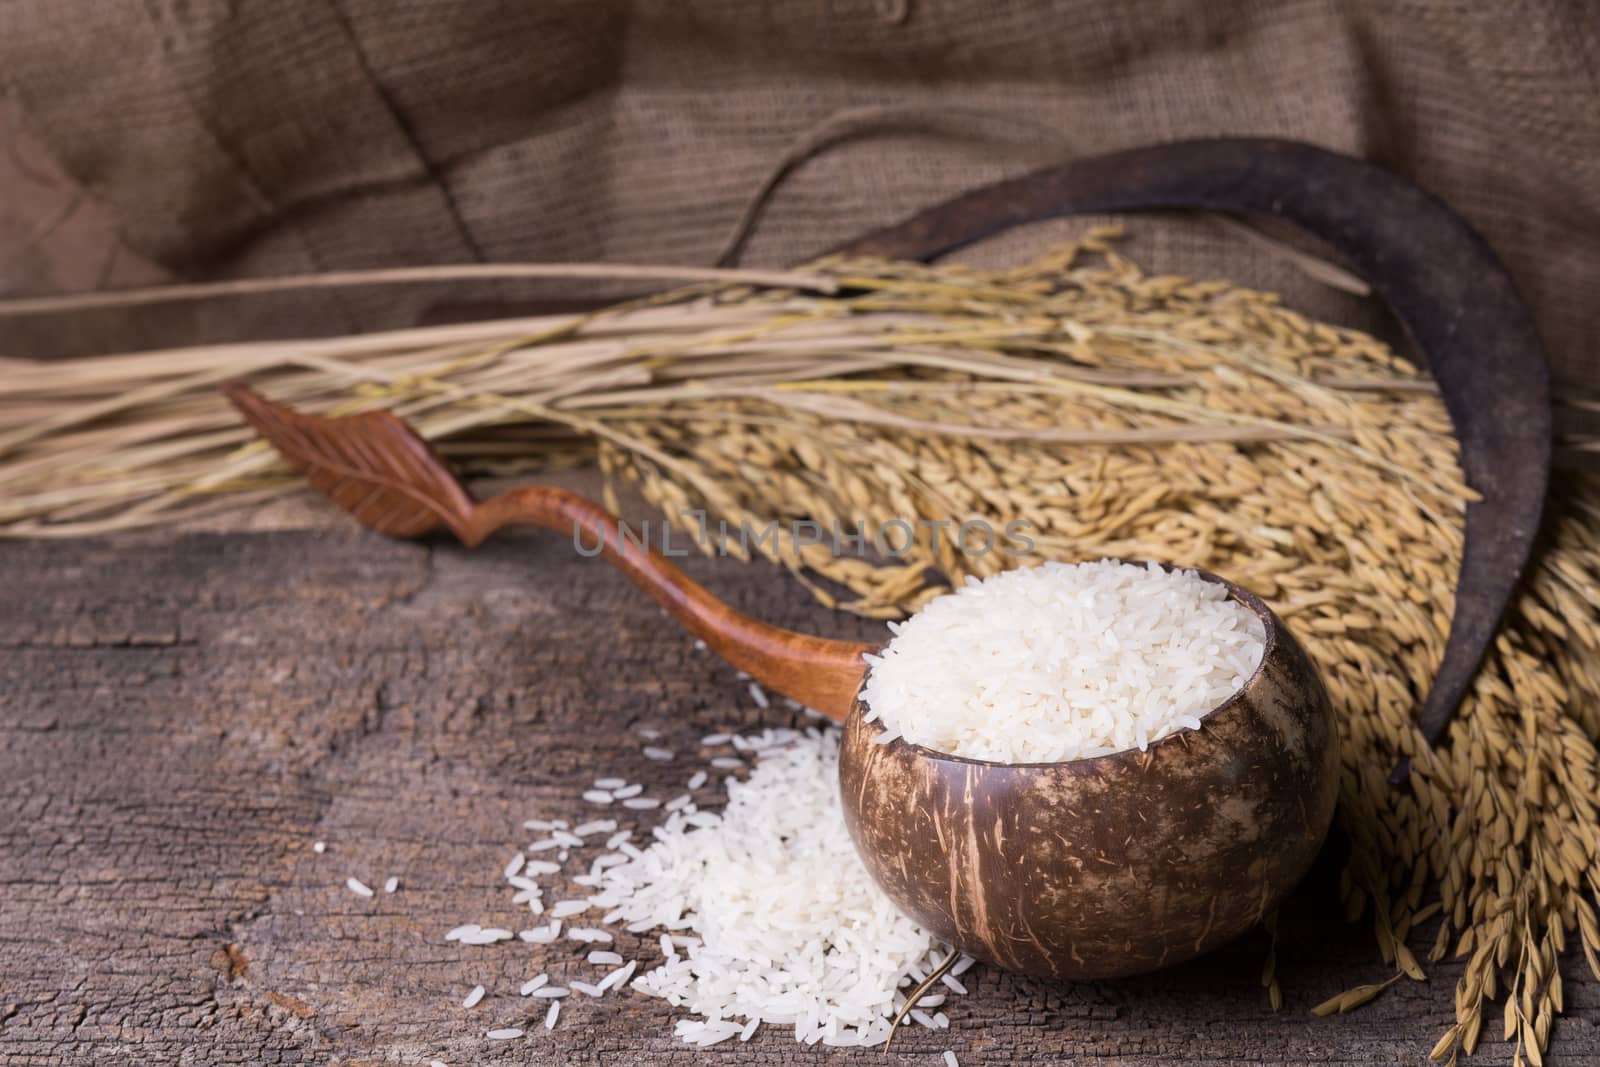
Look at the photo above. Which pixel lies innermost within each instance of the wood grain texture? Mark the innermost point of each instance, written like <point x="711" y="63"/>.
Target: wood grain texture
<point x="181" y="718"/>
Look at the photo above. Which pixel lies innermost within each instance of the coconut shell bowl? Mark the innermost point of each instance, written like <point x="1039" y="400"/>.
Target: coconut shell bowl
<point x="1093" y="868"/>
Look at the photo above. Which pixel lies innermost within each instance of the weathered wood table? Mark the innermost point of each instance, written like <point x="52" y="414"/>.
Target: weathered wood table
<point x="185" y="714"/>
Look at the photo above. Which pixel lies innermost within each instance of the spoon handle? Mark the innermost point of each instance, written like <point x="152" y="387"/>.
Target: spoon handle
<point x="377" y="468"/>
<point x="819" y="672"/>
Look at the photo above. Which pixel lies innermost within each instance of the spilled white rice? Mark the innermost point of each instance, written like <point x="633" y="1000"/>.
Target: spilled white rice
<point x="1062" y="662"/>
<point x="786" y="927"/>
<point x="758" y="914"/>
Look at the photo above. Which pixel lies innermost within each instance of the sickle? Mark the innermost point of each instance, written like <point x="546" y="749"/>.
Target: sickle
<point x="1438" y="276"/>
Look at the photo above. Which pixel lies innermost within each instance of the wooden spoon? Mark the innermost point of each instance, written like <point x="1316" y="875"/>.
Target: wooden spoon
<point x="1086" y="869"/>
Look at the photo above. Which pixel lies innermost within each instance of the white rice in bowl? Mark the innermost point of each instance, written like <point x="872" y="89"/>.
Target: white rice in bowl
<point x="1062" y="662"/>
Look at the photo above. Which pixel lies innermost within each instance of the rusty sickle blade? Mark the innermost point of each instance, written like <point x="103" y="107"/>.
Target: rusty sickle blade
<point x="1438" y="276"/>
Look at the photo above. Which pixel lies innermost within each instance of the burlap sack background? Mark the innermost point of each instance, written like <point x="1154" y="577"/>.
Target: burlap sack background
<point x="216" y="138"/>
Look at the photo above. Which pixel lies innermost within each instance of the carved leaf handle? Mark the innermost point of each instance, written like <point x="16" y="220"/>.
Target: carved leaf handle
<point x="385" y="475"/>
<point x="373" y="465"/>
